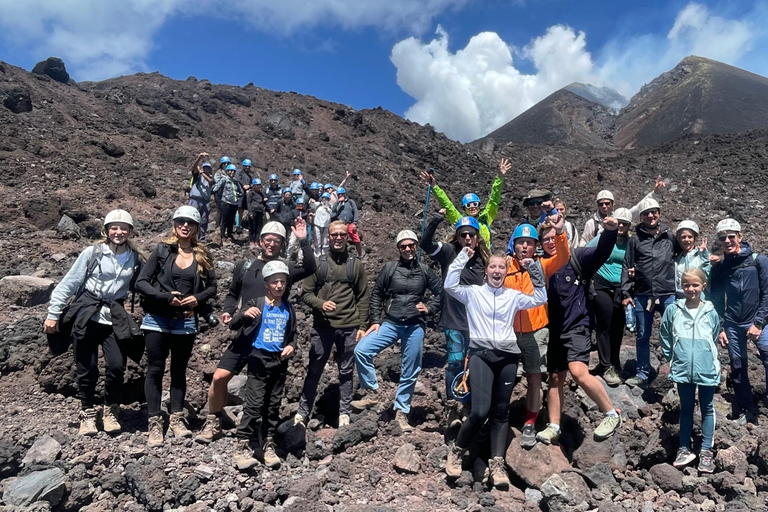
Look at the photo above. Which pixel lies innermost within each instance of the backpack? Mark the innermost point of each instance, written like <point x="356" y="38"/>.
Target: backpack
<point x="322" y="272"/>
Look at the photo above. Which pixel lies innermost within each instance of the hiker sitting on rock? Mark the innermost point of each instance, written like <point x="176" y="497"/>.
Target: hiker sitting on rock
<point x="398" y="311"/>
<point x="99" y="281"/>
<point x="200" y="191"/>
<point x="176" y="282"/>
<point x="268" y="326"/>
<point x="247" y="285"/>
<point x="493" y="354"/>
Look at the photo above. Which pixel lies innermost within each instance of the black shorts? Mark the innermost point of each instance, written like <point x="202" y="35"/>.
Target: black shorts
<point x="235" y="358"/>
<point x="568" y="347"/>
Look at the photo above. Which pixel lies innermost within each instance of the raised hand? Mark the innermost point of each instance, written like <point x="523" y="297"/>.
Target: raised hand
<point x="504" y="166"/>
<point x="299" y="228"/>
<point x="703" y="244"/>
<point x="660" y="185"/>
<point x="427" y="178"/>
<point x="610" y="224"/>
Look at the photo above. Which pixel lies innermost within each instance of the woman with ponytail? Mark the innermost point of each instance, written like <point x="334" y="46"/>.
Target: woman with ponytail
<point x="176" y="282"/>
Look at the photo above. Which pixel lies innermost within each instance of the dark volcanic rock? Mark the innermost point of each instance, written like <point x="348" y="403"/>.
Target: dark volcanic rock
<point x="10" y="458"/>
<point x="53" y="67"/>
<point x="667" y="477"/>
<point x="16" y="99"/>
<point x="164" y="130"/>
<point x="147" y="482"/>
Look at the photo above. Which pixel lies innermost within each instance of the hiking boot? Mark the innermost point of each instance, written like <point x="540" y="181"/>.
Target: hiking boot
<point x="549" y="435"/>
<point x="343" y="420"/>
<point x="528" y="438"/>
<point x="288" y="424"/>
<point x="271" y="460"/>
<point x="607" y="427"/>
<point x="155" y="437"/>
<point x="88" y="422"/>
<point x="211" y="430"/>
<point x="747" y="417"/>
<point x="499" y="476"/>
<point x="402" y="420"/>
<point x="109" y="419"/>
<point x="636" y="381"/>
<point x="684" y="457"/>
<point x="243" y="456"/>
<point x="453" y="464"/>
<point x="706" y="461"/>
<point x="178" y="423"/>
<point x="611" y="377"/>
<point x="370" y="400"/>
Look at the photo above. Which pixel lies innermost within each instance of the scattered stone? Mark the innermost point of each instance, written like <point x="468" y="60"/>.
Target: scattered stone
<point x="236" y="389"/>
<point x="10" y="458"/>
<point x="47" y="485"/>
<point x="407" y="459"/>
<point x="591" y="452"/>
<point x="361" y="430"/>
<point x="437" y="457"/>
<point x="533" y="496"/>
<point x="667" y="477"/>
<point x="536" y="465"/>
<point x="68" y="228"/>
<point x="204" y="472"/>
<point x="600" y="474"/>
<point x="732" y="460"/>
<point x="45" y="450"/>
<point x="147" y="482"/>
<point x="555" y="486"/>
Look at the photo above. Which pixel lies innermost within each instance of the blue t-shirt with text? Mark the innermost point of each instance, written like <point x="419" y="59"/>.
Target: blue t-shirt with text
<point x="274" y="321"/>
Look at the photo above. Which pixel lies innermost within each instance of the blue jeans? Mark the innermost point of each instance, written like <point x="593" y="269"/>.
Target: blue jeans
<point x="456" y="345"/>
<point x="737" y="350"/>
<point x="411" y="345"/>
<point x="687" y="393"/>
<point x="644" y="328"/>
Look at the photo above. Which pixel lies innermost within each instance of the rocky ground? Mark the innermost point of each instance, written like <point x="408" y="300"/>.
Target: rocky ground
<point x="79" y="150"/>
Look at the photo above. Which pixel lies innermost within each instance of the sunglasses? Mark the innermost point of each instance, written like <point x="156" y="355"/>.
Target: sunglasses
<point x="473" y="204"/>
<point x="535" y="202"/>
<point x="605" y="203"/>
<point x="466" y="234"/>
<point x="181" y="222"/>
<point x="407" y="247"/>
<point x="337" y="235"/>
<point x="730" y="238"/>
<point x="651" y="212"/>
<point x="622" y="223"/>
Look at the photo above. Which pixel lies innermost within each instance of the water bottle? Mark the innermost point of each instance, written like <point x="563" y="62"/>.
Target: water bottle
<point x="629" y="317"/>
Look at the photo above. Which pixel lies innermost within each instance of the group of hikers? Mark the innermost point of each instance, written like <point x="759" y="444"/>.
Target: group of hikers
<point x="528" y="311"/>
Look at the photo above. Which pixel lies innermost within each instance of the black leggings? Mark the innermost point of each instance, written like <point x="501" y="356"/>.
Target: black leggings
<point x="491" y="381"/>
<point x="159" y="345"/>
<point x="610" y="324"/>
<point x="86" y="352"/>
<point x="228" y="213"/>
<point x="254" y="225"/>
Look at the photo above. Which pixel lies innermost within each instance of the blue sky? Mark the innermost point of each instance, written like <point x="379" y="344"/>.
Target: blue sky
<point x="465" y="66"/>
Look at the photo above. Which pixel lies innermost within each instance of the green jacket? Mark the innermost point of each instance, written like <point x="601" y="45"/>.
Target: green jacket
<point x="486" y="215"/>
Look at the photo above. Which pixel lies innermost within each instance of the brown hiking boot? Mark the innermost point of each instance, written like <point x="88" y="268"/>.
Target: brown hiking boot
<point x="88" y="422"/>
<point x="271" y="460"/>
<point x="211" y="430"/>
<point x="499" y="476"/>
<point x="155" y="437"/>
<point x="110" y="419"/>
<point x="243" y="456"/>
<point x="370" y="400"/>
<point x="453" y="464"/>
<point x="178" y="424"/>
<point x="402" y="421"/>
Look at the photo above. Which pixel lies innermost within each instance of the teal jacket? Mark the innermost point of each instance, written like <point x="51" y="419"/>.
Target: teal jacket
<point x="693" y="259"/>
<point x="690" y="343"/>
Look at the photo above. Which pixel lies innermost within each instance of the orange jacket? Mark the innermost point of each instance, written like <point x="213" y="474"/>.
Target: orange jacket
<point x="530" y="320"/>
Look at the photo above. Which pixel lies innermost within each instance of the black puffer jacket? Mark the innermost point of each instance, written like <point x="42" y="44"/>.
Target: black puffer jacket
<point x="653" y="258"/>
<point x="400" y="286"/>
<point x="739" y="287"/>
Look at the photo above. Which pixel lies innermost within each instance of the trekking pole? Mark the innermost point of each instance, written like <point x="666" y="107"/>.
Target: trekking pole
<point x="426" y="209"/>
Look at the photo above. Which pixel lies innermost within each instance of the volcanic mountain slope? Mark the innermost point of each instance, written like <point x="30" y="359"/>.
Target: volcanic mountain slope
<point x="605" y="96"/>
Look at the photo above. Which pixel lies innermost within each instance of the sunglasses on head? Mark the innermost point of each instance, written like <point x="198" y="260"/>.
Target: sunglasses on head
<point x="473" y="204"/>
<point x="730" y="237"/>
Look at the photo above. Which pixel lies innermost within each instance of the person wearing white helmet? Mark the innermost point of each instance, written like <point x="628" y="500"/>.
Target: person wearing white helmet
<point x="398" y="311"/>
<point x="99" y="281"/>
<point x="176" y="283"/>
<point x="267" y="325"/>
<point x="200" y="191"/>
<point x="693" y="254"/>
<point x="648" y="272"/>
<point x="740" y="295"/>
<point x="605" y="202"/>
<point x="248" y="284"/>
<point x="609" y="315"/>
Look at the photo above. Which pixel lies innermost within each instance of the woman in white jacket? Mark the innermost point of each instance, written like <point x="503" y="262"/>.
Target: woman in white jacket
<point x="493" y="354"/>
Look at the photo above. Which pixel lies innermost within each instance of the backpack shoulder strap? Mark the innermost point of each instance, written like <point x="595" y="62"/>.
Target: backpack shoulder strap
<point x="576" y="266"/>
<point x="93" y="261"/>
<point x="322" y="272"/>
<point x="244" y="269"/>
<point x="351" y="269"/>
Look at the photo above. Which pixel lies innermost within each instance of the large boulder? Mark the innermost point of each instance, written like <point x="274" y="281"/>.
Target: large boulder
<point x="68" y="228"/>
<point x="16" y="99"/>
<point x="667" y="477"/>
<point x="537" y="465"/>
<point x="48" y="485"/>
<point x="53" y="67"/>
<point x="26" y="291"/>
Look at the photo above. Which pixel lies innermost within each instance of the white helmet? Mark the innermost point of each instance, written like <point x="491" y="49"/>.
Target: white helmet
<point x="406" y="234"/>
<point x="187" y="212"/>
<point x="688" y="224"/>
<point x="623" y="215"/>
<point x="604" y="194"/>
<point x="274" y="267"/>
<point x="728" y="225"/>
<point x="118" y="216"/>
<point x="273" y="228"/>
<point x="649" y="204"/>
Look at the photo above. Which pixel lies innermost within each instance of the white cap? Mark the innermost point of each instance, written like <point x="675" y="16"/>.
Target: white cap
<point x="728" y="225"/>
<point x="649" y="204"/>
<point x="604" y="194"/>
<point x="622" y="214"/>
<point x="118" y="216"/>
<point x="274" y="267"/>
<point x="688" y="224"/>
<point x="406" y="234"/>
<point x="187" y="212"/>
<point x="273" y="228"/>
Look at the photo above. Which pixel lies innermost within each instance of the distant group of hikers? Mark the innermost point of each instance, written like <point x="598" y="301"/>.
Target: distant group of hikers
<point x="530" y="311"/>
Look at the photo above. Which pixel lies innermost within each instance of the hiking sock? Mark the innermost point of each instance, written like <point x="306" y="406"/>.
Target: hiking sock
<point x="612" y="412"/>
<point x="530" y="417"/>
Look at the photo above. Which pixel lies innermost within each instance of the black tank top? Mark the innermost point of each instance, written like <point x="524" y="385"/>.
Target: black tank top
<point x="184" y="279"/>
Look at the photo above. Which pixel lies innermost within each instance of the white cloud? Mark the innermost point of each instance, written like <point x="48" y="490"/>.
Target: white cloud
<point x="475" y="90"/>
<point x="103" y="38"/>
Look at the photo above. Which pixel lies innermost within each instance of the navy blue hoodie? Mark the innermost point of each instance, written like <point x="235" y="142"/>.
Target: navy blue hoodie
<point x="739" y="287"/>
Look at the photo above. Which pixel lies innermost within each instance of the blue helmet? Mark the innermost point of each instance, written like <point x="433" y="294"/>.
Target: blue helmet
<point x="288" y="190"/>
<point x="299" y="200"/>
<point x="522" y="231"/>
<point x="468" y="222"/>
<point x="273" y="177"/>
<point x="341" y="190"/>
<point x="325" y="195"/>
<point x="207" y="164"/>
<point x="328" y="185"/>
<point x="296" y="171"/>
<point x="225" y="160"/>
<point x="469" y="198"/>
<point x="314" y="186"/>
<point x="231" y="167"/>
<point x="247" y="162"/>
<point x="256" y="181"/>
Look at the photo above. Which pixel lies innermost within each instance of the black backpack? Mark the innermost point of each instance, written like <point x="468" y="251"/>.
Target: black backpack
<point x="322" y="272"/>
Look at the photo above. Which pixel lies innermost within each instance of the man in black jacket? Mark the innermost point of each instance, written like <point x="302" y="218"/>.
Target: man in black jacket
<point x="649" y="265"/>
<point x="398" y="311"/>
